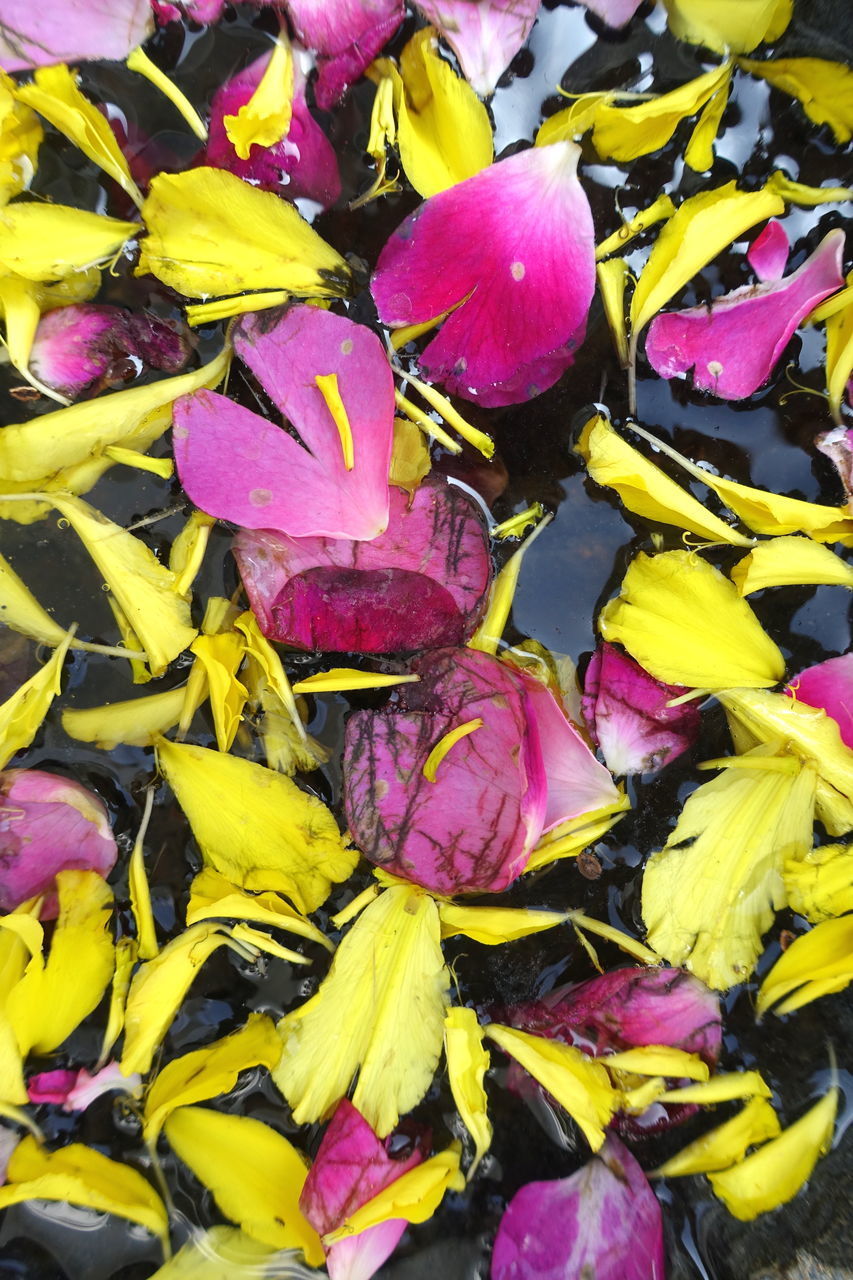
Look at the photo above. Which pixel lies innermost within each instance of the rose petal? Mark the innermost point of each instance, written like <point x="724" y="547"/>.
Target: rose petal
<point x="515" y="248"/>
<point x="77" y="1090"/>
<point x="485" y="35"/>
<point x="837" y="445"/>
<point x="201" y="11"/>
<point x="51" y="1086"/>
<point x="70" y="31"/>
<point x="768" y="253"/>
<point x="616" y="13"/>
<point x="347" y="35"/>
<point x="829" y="685"/>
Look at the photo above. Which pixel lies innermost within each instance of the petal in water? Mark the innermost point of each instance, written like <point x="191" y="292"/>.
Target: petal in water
<point x="485" y="35"/>
<point x="616" y="13"/>
<point x="70" y="31"/>
<point x="818" y="963"/>
<point x="347" y="35"/>
<point x="837" y="445"/>
<point x="77" y="1090"/>
<point x="768" y="253"/>
<point x="829" y="685"/>
<point x="21" y="135"/>
<point x="735" y="26"/>
<point x="820" y="885"/>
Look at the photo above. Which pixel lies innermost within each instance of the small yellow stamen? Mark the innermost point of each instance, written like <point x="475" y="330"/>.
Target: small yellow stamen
<point x="411" y="332"/>
<point x="452" y="417"/>
<point x="515" y="525"/>
<point x="327" y="384"/>
<point x="444" y="744"/>
<point x="142" y="64"/>
<point x="341" y="679"/>
<point x="223" y="308"/>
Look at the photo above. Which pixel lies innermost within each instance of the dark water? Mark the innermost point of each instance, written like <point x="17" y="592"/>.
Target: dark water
<point x="572" y="569"/>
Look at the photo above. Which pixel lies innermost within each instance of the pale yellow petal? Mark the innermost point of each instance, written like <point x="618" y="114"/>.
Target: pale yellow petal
<point x="137" y="722"/>
<point x="495" y="925"/>
<point x="265" y="118"/>
<point x="467" y="1064"/>
<point x="736" y="25"/>
<point x="824" y="88"/>
<point x="820" y="885"/>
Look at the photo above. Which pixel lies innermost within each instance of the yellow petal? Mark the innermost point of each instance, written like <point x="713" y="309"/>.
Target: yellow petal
<point x="699" y="152"/>
<point x="726" y="1087"/>
<point x="256" y="1176"/>
<point x="379" y="1012"/>
<point x="495" y="925"/>
<point x="612" y="278"/>
<point x="213" y="897"/>
<point x="445" y="743"/>
<point x="790" y="561"/>
<point x="209" y="233"/>
<point x="288" y="748"/>
<point x="80" y="1175"/>
<point x="22" y="713"/>
<point x="685" y="623"/>
<point x="131" y="643"/>
<point x="259" y="940"/>
<point x="13" y="1087"/>
<point x="206" y="1073"/>
<point x="821" y="885"/>
<point x="163" y="467"/>
<point x="54" y="93"/>
<point x="221" y="656"/>
<point x="578" y="1083"/>
<point x="623" y="133"/>
<point x="187" y="550"/>
<point x="383" y="128"/>
<point x="574" y="121"/>
<point x="479" y="439"/>
<point x="710" y="893"/>
<point x="824" y="88"/>
<point x="658" y="211"/>
<point x="220" y="1253"/>
<point x="19" y="306"/>
<point x="137" y="722"/>
<point x="423" y="421"/>
<point x="47" y="241"/>
<point x="410" y="460"/>
<point x="801" y="193"/>
<point x="571" y="838"/>
<point x="413" y="1197"/>
<point x="736" y="25"/>
<point x="644" y="488"/>
<point x="20" y="138"/>
<point x="341" y="679"/>
<point x="839" y="354"/>
<point x="139" y="62"/>
<point x="140" y="894"/>
<point x="817" y="963"/>
<point x="224" y="308"/>
<point x="126" y="953"/>
<point x="467" y="1064"/>
<point x="588" y="924"/>
<point x="515" y="526"/>
<point x="727" y="1144"/>
<point x="488" y="635"/>
<point x="265" y="118"/>
<point x="255" y="826"/>
<point x="658" y="1060"/>
<point x="20" y="610"/>
<point x="775" y="1173"/>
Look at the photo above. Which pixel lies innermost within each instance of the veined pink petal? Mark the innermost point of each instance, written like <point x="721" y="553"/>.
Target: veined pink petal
<point x="512" y="250"/>
<point x="48" y="824"/>
<point x="733" y="345"/>
<point x="616" y="13"/>
<point x="485" y="35"/>
<point x="347" y="35"/>
<point x="627" y="714"/>
<point x="40" y="35"/>
<point x="837" y="445"/>
<point x="768" y="253"/>
<point x="471" y="830"/>
<point x="829" y="685"/>
<point x="603" y="1222"/>
<point x="301" y="164"/>
<point x="421" y="584"/>
<point x="238" y="466"/>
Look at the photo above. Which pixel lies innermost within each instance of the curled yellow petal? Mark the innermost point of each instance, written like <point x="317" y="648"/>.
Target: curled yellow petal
<point x="613" y="277"/>
<point x="790" y="561"/>
<point x="140" y="894"/>
<point x="342" y="679"/>
<point x="446" y="743"/>
<point x="22" y="713"/>
<point x="658" y="1060"/>
<point x="726" y="1087"/>
<point x="220" y="656"/>
<point x="699" y="152"/>
<point x="126" y="954"/>
<point x="479" y="439"/>
<point x="187" y="550"/>
<point x="327" y="385"/>
<point x="265" y="118"/>
<point x="213" y="897"/>
<point x="163" y="467"/>
<point x="467" y="1064"/>
<point x="488" y="634"/>
<point x="820" y="885"/>
<point x="625" y="132"/>
<point x="413" y="1197"/>
<point x="139" y="62"/>
<point x="818" y="963"/>
<point x="20" y="138"/>
<point x="495" y="925"/>
<point x="839" y="353"/>
<point x="658" y="211"/>
<point x="137" y="722"/>
<point x="410" y="460"/>
<point x="725" y="1145"/>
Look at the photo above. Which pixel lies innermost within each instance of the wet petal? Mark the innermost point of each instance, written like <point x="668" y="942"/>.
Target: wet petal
<point x="824" y="88"/>
<point x="20" y="138"/>
<point x="625" y="132"/>
<point x="818" y="963"/>
<point x="820" y="885"/>
<point x="723" y="25"/>
<point x="77" y="1090"/>
<point x="467" y="1064"/>
<point x="837" y="445"/>
<point x="829" y="685"/>
<point x="790" y="561"/>
<point x="517" y="246"/>
<point x="616" y="13"/>
<point x="43" y="242"/>
<point x="22" y="713"/>
<point x="485" y="35"/>
<point x="70" y="31"/>
<point x="725" y="1145"/>
<point x="347" y="35"/>
<point x="768" y="253"/>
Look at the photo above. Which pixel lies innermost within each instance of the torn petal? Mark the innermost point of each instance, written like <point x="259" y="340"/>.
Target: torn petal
<point x="829" y="685"/>
<point x="485" y="35"/>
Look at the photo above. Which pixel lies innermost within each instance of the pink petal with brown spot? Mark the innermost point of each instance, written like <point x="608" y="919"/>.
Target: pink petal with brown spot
<point x="485" y="35"/>
<point x="768" y="253"/>
<point x="510" y="253"/>
<point x="829" y="685"/>
<point x="40" y="35"/>
<point x="347" y="35"/>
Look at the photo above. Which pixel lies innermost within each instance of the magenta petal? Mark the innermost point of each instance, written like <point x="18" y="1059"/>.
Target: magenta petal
<point x="347" y="35"/>
<point x="616" y="13"/>
<point x="515" y="245"/>
<point x="603" y="1222"/>
<point x="768" y="253"/>
<point x="48" y="824"/>
<point x="837" y="445"/>
<point x="473" y="828"/>
<point x="627" y="714"/>
<point x="733" y="346"/>
<point x="40" y="35"/>
<point x="485" y="35"/>
<point x="241" y="467"/>
<point x="421" y="584"/>
<point x="51" y="1086"/>
<point x="202" y="11"/>
<point x="829" y="685"/>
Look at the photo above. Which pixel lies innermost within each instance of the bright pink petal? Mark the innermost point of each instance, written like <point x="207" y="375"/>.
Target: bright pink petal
<point x="603" y="1222"/>
<point x="347" y="35"/>
<point x="77" y="1090"/>
<point x="627" y="714"/>
<point x="472" y="829"/>
<point x="829" y="685"/>
<point x="837" y="445"/>
<point x="616" y="13"/>
<point x="733" y="345"/>
<point x="512" y="250"/>
<point x="768" y="253"/>
<point x="39" y="35"/>
<point x="485" y="35"/>
<point x="421" y="584"/>
<point x="238" y="466"/>
<point x="51" y="1086"/>
<point x="48" y="824"/>
<point x="302" y="164"/>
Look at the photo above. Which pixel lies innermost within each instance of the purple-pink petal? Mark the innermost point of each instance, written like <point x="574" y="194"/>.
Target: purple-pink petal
<point x="603" y="1222"/>
<point x="40" y="35"/>
<point x="627" y="715"/>
<point x="485" y="35"/>
<point x="510" y="254"/>
<point x="48" y="824"/>
<point x="51" y="1086"/>
<point x="346" y="35"/>
<point x="837" y="445"/>
<point x="202" y="11"/>
<point x="616" y="13"/>
<point x="239" y="466"/>
<point x="733" y="345"/>
<point x="829" y="685"/>
<point x="77" y="1090"/>
<point x="768" y="253"/>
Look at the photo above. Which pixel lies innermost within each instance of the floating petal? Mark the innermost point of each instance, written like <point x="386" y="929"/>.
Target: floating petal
<point x="70" y="31"/>
<point x="790" y="561"/>
<point x="623" y="133"/>
<point x="768" y="253"/>
<point x="820" y="885"/>
<point x="829" y="685"/>
<point x="22" y="713"/>
<point x="818" y="963"/>
<point x="494" y="926"/>
<point x="20" y="138"/>
<point x="485" y="35"/>
<point x="212" y="897"/>
<point x="723" y="25"/>
<point x="467" y="1064"/>
<point x="347" y="35"/>
<point x="724" y="1146"/>
<point x="43" y="242"/>
<point x="824" y="88"/>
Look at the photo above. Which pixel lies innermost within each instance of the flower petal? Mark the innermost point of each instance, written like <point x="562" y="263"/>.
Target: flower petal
<point x="829" y="685"/>
<point x="70" y="31"/>
<point x="347" y="35"/>
<point x="616" y="13"/>
<point x="725" y="1145"/>
<point x="820" y="885"/>
<point x="467" y="1064"/>
<point x="768" y="253"/>
<point x="824" y="88"/>
<point x="818" y="963"/>
<point x="728" y="25"/>
<point x="485" y="35"/>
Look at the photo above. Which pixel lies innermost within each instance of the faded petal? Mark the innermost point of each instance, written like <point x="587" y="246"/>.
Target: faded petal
<point x="422" y="583"/>
<point x="485" y="35"/>
<point x="516" y="247"/>
<point x="829" y="685"/>
<point x="70" y="31"/>
<point x="347" y="35"/>
<point x="837" y="445"/>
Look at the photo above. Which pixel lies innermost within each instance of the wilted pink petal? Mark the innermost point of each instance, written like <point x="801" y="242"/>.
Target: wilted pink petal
<point x="238" y="466"/>
<point x="485" y="35"/>
<point x="627" y="714"/>
<point x="837" y="445"/>
<point x="733" y="345"/>
<point x="89" y="347"/>
<point x="51" y="1086"/>
<point x="421" y="584"/>
<point x="39" y="35"/>
<point x="77" y="1090"/>
<point x="301" y="164"/>
<point x="472" y="829"/>
<point x="829" y="685"/>
<point x="347" y="35"/>
<point x="512" y="250"/>
<point x="603" y="1222"/>
<point x="48" y="824"/>
<point x="768" y="253"/>
<point x="616" y="13"/>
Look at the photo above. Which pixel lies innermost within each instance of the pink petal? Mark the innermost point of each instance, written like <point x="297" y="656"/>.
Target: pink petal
<point x="626" y="712"/>
<point x="421" y="584"/>
<point x="485" y="35"/>
<point x="733" y="345"/>
<point x="829" y="685"/>
<point x="89" y="1087"/>
<point x="518" y="238"/>
<point x="347" y="35"/>
<point x="768" y="253"/>
<point x="473" y="828"/>
<point x="837" y="445"/>
<point x="238" y="466"/>
<point x="39" y="35"/>
<point x="202" y="11"/>
<point x="48" y="824"/>
<point x="87" y="348"/>
<point x="616" y="13"/>
<point x="302" y="164"/>
<point x="51" y="1086"/>
<point x="603" y="1222"/>
<point x="361" y="1256"/>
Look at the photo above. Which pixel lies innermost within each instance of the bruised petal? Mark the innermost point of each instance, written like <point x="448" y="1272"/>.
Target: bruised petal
<point x="829" y="685"/>
<point x="516" y="245"/>
<point x="347" y="35"/>
<point x="485" y="35"/>
<point x="70" y="31"/>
